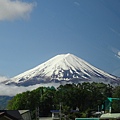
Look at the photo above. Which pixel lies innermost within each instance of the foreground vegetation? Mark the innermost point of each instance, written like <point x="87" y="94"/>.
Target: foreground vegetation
<point x="86" y="97"/>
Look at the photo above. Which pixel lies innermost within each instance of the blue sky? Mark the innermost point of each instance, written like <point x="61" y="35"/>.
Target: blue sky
<point x="33" y="31"/>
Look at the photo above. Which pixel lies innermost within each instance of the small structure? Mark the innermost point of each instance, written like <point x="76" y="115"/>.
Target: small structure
<point x="110" y="116"/>
<point x="25" y="114"/>
<point x="15" y="115"/>
<point x="55" y="114"/>
<point x="10" y="115"/>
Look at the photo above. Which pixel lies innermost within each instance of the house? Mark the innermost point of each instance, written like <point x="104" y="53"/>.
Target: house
<point x="55" y="114"/>
<point x="10" y="115"/>
<point x="5" y="116"/>
<point x="15" y="115"/>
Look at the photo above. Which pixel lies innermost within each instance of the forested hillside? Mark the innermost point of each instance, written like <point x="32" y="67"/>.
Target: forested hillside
<point x="3" y="101"/>
<point x="86" y="97"/>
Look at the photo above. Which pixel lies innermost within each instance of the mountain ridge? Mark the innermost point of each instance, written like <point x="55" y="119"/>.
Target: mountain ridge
<point x="63" y="67"/>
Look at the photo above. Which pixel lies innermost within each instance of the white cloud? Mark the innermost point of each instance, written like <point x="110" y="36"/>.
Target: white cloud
<point x="116" y="52"/>
<point x="3" y="78"/>
<point x="15" y="9"/>
<point x="12" y="90"/>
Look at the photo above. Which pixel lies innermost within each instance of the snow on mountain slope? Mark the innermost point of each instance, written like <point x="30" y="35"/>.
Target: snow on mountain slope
<point x="65" y="67"/>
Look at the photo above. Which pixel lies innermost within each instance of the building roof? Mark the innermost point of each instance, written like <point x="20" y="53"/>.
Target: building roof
<point x="4" y="115"/>
<point x="110" y="115"/>
<point x="14" y="114"/>
<point x="55" y="111"/>
<point x="23" y="111"/>
<point x="1" y="113"/>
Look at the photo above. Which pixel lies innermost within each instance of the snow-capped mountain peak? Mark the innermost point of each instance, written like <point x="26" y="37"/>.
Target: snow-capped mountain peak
<point x="65" y="67"/>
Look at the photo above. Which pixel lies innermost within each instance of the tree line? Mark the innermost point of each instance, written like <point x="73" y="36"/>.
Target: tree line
<point x="85" y="97"/>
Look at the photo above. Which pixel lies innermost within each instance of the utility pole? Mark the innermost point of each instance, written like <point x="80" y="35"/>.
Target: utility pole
<point x="37" y="113"/>
<point x="60" y="110"/>
<point x="98" y="108"/>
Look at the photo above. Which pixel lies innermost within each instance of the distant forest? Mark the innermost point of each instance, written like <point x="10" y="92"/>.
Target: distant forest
<point x="85" y="97"/>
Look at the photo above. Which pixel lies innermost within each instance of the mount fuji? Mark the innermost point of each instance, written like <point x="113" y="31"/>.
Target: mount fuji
<point x="64" y="68"/>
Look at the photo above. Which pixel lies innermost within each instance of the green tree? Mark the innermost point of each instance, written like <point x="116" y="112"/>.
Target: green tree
<point x="116" y="102"/>
<point x="85" y="96"/>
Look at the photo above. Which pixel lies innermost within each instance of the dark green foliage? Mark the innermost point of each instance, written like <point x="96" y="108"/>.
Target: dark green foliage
<point x="116" y="103"/>
<point x="86" y="96"/>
